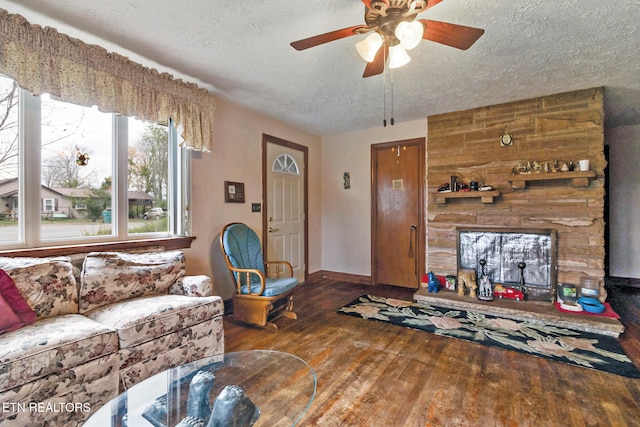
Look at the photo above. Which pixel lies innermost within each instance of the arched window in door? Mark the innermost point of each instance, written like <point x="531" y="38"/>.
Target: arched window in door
<point x="284" y="163"/>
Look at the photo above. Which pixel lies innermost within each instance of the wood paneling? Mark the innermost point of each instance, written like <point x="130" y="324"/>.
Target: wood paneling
<point x="376" y="374"/>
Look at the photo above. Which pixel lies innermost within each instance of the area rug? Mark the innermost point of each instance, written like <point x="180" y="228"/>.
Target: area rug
<point x="574" y="347"/>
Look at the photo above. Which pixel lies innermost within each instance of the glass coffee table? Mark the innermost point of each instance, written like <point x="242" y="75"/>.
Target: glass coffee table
<point x="280" y="385"/>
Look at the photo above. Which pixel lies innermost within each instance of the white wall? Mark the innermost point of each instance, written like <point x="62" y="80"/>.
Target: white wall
<point x="624" y="201"/>
<point x="346" y="214"/>
<point x="236" y="155"/>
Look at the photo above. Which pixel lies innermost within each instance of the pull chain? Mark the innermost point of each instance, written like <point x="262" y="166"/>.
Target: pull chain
<point x="384" y="90"/>
<point x="392" y="120"/>
<point x="384" y="94"/>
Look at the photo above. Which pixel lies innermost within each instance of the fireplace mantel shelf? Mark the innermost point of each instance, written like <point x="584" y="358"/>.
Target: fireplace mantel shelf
<point x="484" y="196"/>
<point x="578" y="178"/>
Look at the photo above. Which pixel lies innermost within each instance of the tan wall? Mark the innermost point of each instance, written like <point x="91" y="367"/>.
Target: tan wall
<point x="346" y="214"/>
<point x="566" y="126"/>
<point x="237" y="156"/>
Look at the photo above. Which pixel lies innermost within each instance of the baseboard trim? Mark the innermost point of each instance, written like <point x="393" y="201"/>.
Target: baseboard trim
<point x="343" y="277"/>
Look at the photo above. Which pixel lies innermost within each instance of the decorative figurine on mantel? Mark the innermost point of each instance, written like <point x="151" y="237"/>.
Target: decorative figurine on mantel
<point x="434" y="284"/>
<point x="486" y="290"/>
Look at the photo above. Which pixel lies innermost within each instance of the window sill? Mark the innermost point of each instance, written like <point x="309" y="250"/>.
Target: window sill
<point x="169" y="243"/>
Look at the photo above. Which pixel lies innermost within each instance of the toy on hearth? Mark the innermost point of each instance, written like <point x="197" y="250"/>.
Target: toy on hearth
<point x="434" y="284"/>
<point x="467" y="280"/>
<point x="511" y="293"/>
<point x="450" y="282"/>
<point x="486" y="291"/>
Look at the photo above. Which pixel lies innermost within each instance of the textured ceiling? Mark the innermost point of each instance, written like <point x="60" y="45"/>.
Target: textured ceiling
<point x="240" y="50"/>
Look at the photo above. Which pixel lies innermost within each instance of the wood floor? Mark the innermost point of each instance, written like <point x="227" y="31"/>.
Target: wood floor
<point x="376" y="374"/>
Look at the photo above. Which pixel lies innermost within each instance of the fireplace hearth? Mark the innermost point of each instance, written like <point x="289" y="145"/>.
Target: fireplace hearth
<point x="510" y="256"/>
<point x="533" y="311"/>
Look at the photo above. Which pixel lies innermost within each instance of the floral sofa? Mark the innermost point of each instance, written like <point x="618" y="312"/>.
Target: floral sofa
<point x="100" y="329"/>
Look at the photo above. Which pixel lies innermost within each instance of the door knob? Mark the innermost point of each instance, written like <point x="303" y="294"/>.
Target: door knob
<point x="271" y="229"/>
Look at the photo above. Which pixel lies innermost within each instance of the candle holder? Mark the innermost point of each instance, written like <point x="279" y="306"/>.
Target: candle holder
<point x="522" y="266"/>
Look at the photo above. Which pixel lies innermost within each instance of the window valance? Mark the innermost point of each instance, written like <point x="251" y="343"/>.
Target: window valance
<point x="42" y="60"/>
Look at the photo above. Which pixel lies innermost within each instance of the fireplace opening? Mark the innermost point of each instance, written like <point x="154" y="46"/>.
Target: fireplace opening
<point x="504" y="249"/>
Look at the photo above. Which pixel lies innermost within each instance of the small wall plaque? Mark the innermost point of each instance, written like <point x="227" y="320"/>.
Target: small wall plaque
<point x="397" y="184"/>
<point x="233" y="192"/>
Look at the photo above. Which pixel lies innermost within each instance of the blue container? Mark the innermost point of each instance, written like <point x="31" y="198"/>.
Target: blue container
<point x="106" y="217"/>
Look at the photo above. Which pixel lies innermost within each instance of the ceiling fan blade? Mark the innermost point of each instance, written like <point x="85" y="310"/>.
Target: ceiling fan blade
<point x="326" y="37"/>
<point x="453" y="35"/>
<point x="376" y="66"/>
<point x="431" y="3"/>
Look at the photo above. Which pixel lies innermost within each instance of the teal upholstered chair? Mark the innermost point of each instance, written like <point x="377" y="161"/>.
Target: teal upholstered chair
<point x="264" y="290"/>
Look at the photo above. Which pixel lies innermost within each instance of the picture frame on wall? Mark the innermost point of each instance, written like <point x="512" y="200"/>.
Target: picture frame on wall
<point x="233" y="192"/>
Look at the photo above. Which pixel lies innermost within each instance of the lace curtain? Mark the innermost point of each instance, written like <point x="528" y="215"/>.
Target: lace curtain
<point x="43" y="60"/>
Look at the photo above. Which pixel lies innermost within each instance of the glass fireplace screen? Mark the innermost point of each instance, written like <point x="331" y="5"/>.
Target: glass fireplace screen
<point x="504" y="249"/>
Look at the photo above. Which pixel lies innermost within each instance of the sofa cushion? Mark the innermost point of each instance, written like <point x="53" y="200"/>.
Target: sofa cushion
<point x="9" y="321"/>
<point x="109" y="277"/>
<point x="12" y="297"/>
<point x="192" y="286"/>
<point x="47" y="284"/>
<point x="51" y="345"/>
<point x="272" y="287"/>
<point x="144" y="319"/>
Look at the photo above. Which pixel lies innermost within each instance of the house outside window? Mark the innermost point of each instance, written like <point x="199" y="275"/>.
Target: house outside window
<point x="42" y="141"/>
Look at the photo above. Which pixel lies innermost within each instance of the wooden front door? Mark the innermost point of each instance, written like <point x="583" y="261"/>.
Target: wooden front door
<point x="398" y="233"/>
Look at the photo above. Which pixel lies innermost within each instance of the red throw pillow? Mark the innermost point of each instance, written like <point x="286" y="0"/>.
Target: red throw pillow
<point x="13" y="297"/>
<point x="8" y="319"/>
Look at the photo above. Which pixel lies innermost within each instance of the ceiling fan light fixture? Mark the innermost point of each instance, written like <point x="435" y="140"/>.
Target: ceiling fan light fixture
<point x="368" y="47"/>
<point x="398" y="56"/>
<point x="409" y="33"/>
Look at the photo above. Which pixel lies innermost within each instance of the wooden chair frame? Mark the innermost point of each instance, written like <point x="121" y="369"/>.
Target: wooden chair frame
<point x="256" y="308"/>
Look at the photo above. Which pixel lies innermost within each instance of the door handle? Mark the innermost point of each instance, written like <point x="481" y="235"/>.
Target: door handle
<point x="271" y="229"/>
<point x="412" y="231"/>
<point x="413" y="243"/>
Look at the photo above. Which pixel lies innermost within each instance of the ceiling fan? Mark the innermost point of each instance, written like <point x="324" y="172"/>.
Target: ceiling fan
<point x="394" y="29"/>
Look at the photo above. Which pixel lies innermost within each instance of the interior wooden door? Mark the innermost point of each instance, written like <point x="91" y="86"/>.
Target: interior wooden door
<point x="397" y="217"/>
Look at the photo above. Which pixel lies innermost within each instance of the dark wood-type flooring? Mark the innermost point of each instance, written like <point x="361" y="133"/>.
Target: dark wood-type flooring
<point x="376" y="374"/>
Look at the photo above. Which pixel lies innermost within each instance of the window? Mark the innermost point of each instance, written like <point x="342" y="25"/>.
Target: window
<point x="148" y="177"/>
<point x="69" y="172"/>
<point x="9" y="159"/>
<point x="76" y="166"/>
<point x="286" y="164"/>
<point x="48" y="204"/>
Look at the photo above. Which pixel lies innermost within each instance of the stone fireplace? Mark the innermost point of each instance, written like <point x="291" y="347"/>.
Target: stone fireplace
<point x="562" y="127"/>
<point x="466" y="144"/>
